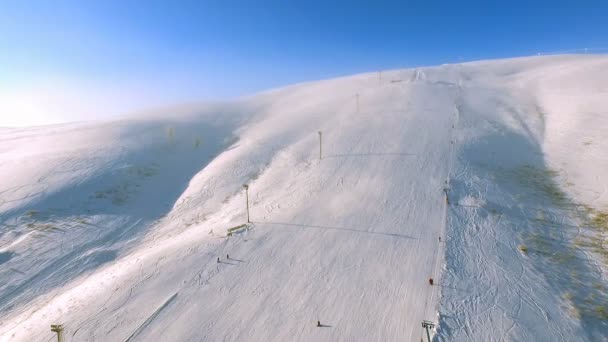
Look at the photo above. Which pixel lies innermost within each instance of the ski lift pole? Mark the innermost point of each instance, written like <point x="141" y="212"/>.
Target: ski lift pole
<point x="320" y="145"/>
<point x="247" y="200"/>
<point x="58" y="328"/>
<point x="426" y="325"/>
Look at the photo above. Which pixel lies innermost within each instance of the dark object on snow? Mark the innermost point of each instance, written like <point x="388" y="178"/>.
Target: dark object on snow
<point x="431" y="281"/>
<point x="440" y="239"/>
<point x="318" y="323"/>
<point x="218" y="259"/>
<point x="227" y="256"/>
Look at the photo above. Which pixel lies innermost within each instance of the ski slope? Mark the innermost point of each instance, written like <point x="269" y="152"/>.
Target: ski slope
<point x="488" y="177"/>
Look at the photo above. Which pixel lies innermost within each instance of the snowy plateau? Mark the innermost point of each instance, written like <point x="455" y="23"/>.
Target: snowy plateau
<point x="489" y="177"/>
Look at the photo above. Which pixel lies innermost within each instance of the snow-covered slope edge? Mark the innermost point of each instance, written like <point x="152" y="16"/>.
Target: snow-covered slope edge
<point x="75" y="197"/>
<point x="139" y="210"/>
<point x="524" y="257"/>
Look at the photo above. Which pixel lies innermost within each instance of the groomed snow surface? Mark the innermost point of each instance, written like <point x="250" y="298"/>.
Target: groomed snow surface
<point x="489" y="177"/>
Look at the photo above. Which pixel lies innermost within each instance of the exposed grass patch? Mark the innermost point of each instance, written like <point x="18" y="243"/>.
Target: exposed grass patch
<point x="595" y="241"/>
<point x="542" y="183"/>
<point x="540" y="215"/>
<point x="523" y="249"/>
<point x="117" y="196"/>
<point x="143" y="171"/>
<point x="549" y="240"/>
<point x="120" y="193"/>
<point x="32" y="213"/>
<point x="119" y="200"/>
<point x="563" y="258"/>
<point x="43" y="227"/>
<point x="599" y="220"/>
<point x="601" y="312"/>
<point x="574" y="312"/>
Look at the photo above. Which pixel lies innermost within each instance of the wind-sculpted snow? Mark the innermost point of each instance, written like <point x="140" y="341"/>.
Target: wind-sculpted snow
<point x="486" y="177"/>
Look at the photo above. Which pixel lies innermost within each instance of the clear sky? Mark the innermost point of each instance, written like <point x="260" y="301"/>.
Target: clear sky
<point x="80" y="60"/>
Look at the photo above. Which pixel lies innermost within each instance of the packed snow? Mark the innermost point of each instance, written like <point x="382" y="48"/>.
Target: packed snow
<point x="487" y="177"/>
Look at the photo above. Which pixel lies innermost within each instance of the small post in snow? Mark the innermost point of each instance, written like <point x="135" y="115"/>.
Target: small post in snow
<point x="247" y="200"/>
<point x="58" y="328"/>
<point x="320" y="145"/>
<point x="426" y="325"/>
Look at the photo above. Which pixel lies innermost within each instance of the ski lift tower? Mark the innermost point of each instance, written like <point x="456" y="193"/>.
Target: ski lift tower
<point x="426" y="325"/>
<point x="246" y="186"/>
<point x="58" y="328"/>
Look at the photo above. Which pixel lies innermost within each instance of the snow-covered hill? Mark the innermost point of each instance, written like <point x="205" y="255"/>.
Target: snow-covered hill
<point x="489" y="177"/>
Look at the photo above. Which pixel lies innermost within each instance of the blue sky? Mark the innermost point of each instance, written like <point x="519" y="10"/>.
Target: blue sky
<point x="74" y="60"/>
